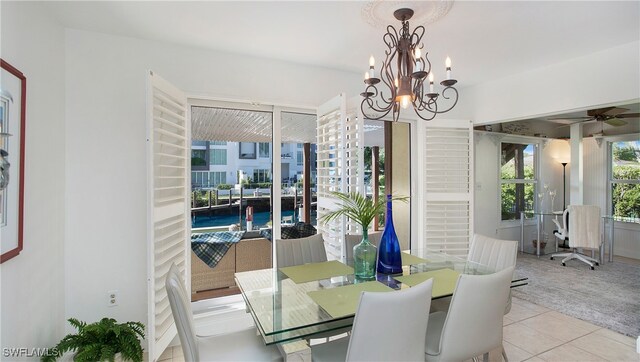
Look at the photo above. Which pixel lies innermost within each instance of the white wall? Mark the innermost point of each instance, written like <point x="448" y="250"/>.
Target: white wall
<point x="32" y="284"/>
<point x="105" y="89"/>
<point x="606" y="77"/>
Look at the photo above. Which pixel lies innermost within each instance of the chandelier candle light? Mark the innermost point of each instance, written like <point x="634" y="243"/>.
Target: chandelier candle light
<point x="405" y="81"/>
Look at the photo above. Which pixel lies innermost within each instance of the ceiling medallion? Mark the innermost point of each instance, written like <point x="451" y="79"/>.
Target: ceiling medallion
<point x="403" y="74"/>
<point x="376" y="13"/>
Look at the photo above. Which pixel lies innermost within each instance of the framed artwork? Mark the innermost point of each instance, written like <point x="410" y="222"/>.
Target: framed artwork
<point x="12" y="127"/>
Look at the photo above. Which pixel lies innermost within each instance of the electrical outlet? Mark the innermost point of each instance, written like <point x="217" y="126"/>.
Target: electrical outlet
<point x="112" y="298"/>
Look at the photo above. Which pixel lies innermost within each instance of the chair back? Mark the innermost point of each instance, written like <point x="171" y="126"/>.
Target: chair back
<point x="300" y="251"/>
<point x="352" y="240"/>
<point x="585" y="226"/>
<point x="182" y="314"/>
<point x="404" y="310"/>
<point x="494" y="253"/>
<point x="473" y="325"/>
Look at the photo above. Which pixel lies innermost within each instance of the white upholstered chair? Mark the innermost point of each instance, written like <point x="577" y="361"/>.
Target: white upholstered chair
<point x="300" y="251"/>
<point x="352" y="240"/>
<point x="495" y="253"/>
<point x="402" y="318"/>
<point x="473" y="324"/>
<point x="239" y="346"/>
<point x="581" y="227"/>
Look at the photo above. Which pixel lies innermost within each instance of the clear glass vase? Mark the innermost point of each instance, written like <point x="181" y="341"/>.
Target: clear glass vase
<point x="364" y="258"/>
<point x="389" y="258"/>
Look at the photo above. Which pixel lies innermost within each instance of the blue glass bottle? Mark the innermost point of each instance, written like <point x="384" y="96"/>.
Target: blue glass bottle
<point x="389" y="258"/>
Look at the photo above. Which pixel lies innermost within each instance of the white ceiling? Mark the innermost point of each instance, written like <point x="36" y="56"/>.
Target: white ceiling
<point x="486" y="40"/>
<point x="557" y="126"/>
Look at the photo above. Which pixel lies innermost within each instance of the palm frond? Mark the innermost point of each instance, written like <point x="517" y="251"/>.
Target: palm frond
<point x="358" y="207"/>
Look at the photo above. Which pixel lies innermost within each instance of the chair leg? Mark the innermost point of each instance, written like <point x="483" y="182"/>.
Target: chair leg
<point x="504" y="354"/>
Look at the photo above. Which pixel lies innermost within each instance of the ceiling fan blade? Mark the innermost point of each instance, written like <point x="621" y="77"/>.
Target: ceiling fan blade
<point x="615" y="122"/>
<point x="629" y="115"/>
<point x="607" y="111"/>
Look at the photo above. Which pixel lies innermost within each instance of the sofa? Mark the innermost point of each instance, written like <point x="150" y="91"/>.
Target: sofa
<point x="245" y="255"/>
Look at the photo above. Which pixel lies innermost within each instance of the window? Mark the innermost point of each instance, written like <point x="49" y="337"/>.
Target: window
<point x="217" y="177"/>
<point x="261" y="175"/>
<point x="300" y="145"/>
<point x="198" y="157"/>
<point x="624" y="178"/>
<point x="517" y="179"/>
<point x="300" y="158"/>
<point x="218" y="143"/>
<point x="247" y="150"/>
<point x="208" y="179"/>
<point x="218" y="156"/>
<point x="263" y="150"/>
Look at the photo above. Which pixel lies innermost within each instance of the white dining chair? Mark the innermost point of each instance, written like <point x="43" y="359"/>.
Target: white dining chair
<point x="239" y="346"/>
<point x="387" y="327"/>
<point x="291" y="252"/>
<point x="497" y="254"/>
<point x="494" y="253"/>
<point x="473" y="324"/>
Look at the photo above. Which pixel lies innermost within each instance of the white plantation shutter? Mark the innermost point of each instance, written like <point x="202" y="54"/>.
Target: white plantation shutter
<point x="448" y="185"/>
<point x="168" y="228"/>
<point x="339" y="158"/>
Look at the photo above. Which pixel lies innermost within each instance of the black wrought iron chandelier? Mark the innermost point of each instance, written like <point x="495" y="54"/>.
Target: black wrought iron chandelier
<point x="406" y="80"/>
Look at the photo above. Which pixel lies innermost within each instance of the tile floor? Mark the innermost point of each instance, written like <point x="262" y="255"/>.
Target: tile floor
<point x="534" y="333"/>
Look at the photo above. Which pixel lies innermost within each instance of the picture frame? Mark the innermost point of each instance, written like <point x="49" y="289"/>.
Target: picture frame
<point x="13" y="91"/>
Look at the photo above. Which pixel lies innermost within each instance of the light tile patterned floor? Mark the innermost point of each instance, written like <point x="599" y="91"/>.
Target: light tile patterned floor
<point x="536" y="334"/>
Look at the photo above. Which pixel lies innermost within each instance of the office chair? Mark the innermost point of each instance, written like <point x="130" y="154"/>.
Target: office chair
<point x="583" y="234"/>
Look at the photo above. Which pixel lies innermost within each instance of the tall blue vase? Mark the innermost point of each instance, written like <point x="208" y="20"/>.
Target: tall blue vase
<point x="389" y="258"/>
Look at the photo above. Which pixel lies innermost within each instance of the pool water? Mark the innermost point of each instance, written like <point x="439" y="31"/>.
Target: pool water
<point x="260" y="219"/>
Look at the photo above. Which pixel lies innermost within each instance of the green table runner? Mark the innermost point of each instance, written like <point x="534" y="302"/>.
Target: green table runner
<point x="343" y="301"/>
<point x="316" y="271"/>
<point x="444" y="281"/>
<point x="408" y="259"/>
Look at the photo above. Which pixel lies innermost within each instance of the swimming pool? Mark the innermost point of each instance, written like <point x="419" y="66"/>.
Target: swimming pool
<point x="259" y="219"/>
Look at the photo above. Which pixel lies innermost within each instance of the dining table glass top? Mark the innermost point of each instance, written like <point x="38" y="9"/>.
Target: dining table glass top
<point x="285" y="310"/>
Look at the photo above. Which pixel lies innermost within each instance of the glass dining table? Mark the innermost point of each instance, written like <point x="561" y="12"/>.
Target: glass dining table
<point x="290" y="304"/>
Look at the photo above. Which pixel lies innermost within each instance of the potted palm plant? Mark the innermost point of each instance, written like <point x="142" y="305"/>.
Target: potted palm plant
<point x="362" y="210"/>
<point x="105" y="340"/>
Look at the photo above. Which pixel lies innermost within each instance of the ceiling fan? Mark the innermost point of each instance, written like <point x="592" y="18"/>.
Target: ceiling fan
<point x="612" y="116"/>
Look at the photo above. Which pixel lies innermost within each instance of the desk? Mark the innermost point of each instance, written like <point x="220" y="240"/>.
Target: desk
<point x="610" y="220"/>
<point x="539" y="217"/>
<point x="606" y="220"/>
<point x="284" y="312"/>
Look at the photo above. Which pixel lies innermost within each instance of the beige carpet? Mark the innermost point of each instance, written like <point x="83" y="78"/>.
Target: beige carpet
<point x="608" y="296"/>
